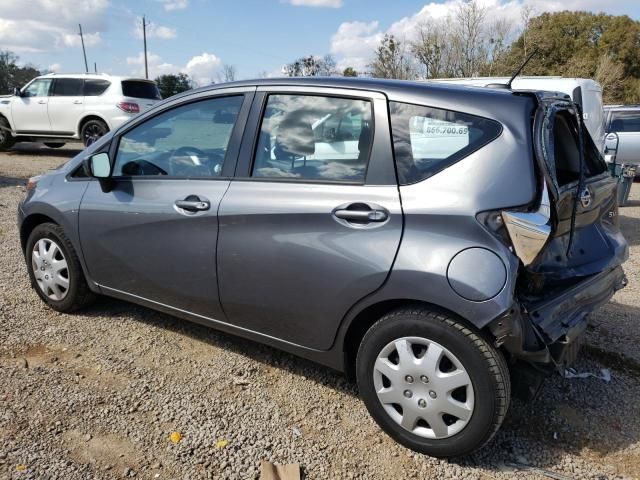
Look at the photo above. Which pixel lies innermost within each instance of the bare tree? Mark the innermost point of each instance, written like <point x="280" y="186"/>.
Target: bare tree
<point x="311" y="66"/>
<point x="391" y="60"/>
<point x="498" y="42"/>
<point x="610" y="75"/>
<point x="228" y="73"/>
<point x="469" y="29"/>
<point x="432" y="49"/>
<point x="526" y="14"/>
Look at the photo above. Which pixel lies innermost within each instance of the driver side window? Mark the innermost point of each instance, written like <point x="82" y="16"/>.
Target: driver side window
<point x="187" y="141"/>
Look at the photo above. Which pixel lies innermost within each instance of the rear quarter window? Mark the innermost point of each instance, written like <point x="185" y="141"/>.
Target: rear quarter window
<point x="426" y="140"/>
<point x="93" y="88"/>
<point x="139" y="89"/>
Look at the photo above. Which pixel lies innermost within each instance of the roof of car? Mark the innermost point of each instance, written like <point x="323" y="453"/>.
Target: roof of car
<point x="105" y="76"/>
<point x="622" y="107"/>
<point x="382" y="85"/>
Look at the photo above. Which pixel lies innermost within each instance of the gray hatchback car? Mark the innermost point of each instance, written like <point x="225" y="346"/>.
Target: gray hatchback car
<point x="436" y="242"/>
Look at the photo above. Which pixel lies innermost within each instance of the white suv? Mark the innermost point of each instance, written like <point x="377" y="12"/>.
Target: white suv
<point x="56" y="108"/>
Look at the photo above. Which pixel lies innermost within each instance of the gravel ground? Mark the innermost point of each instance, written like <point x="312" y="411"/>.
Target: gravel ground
<point x="98" y="394"/>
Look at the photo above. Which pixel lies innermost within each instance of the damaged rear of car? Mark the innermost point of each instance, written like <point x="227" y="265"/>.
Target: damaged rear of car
<point x="569" y="243"/>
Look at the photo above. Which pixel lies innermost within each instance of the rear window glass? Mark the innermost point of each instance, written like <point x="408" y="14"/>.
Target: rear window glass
<point x="427" y="140"/>
<point x="68" y="87"/>
<point x="93" y="88"/>
<point x="137" y="89"/>
<point x="625" y="122"/>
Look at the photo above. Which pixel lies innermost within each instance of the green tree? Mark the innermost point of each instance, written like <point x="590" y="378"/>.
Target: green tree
<point x="582" y="44"/>
<point x="349" y="72"/>
<point x="13" y="76"/>
<point x="170" y="84"/>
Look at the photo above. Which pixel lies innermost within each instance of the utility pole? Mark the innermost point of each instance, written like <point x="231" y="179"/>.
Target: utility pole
<point x="86" y="65"/>
<point x="144" y="39"/>
<point x="95" y="67"/>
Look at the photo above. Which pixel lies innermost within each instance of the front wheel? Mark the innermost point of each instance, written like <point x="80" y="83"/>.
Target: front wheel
<point x="432" y="383"/>
<point x="54" y="269"/>
<point x="92" y="130"/>
<point x="6" y="139"/>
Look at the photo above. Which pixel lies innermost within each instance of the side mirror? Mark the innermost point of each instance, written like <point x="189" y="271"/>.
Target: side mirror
<point x="17" y="92"/>
<point x="99" y="165"/>
<point x="611" y="142"/>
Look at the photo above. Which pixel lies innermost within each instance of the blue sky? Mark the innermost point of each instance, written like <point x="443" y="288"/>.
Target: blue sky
<point x="255" y="36"/>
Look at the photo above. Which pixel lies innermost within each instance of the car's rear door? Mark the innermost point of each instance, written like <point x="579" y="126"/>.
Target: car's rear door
<point x="304" y="236"/>
<point x="153" y="236"/>
<point x="66" y="105"/>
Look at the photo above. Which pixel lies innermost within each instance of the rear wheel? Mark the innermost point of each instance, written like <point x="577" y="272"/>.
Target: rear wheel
<point x="54" y="269"/>
<point x="432" y="383"/>
<point x="92" y="130"/>
<point x="53" y="145"/>
<point x="6" y="139"/>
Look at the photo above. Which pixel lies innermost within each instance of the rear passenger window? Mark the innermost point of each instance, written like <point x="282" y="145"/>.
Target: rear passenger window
<point x="93" y="88"/>
<point x="314" y="138"/>
<point x="427" y="140"/>
<point x="68" y="87"/>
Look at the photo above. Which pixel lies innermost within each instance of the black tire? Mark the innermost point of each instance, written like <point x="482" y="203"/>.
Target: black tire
<point x="54" y="145"/>
<point x="92" y="130"/>
<point x="6" y="139"/>
<point x="78" y="294"/>
<point x="485" y="366"/>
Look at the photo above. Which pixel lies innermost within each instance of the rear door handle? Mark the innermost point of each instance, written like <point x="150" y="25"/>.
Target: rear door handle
<point x="77" y="102"/>
<point x="362" y="215"/>
<point x="193" y="204"/>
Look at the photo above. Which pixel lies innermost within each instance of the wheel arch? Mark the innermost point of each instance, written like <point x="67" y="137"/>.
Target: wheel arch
<point x="30" y="223"/>
<point x="365" y="318"/>
<point x="88" y="117"/>
<point x="6" y="117"/>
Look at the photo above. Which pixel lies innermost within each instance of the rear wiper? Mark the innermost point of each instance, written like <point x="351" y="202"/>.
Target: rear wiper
<point x="576" y="198"/>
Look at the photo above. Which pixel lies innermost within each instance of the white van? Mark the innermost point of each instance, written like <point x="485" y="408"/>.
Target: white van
<point x="584" y="91"/>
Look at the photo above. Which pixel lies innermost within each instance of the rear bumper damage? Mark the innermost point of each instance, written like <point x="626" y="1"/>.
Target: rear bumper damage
<point x="547" y="332"/>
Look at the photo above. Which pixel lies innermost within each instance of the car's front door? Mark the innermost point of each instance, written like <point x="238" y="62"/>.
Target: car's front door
<point x="29" y="111"/>
<point x="305" y="234"/>
<point x="154" y="235"/>
<point x="66" y="105"/>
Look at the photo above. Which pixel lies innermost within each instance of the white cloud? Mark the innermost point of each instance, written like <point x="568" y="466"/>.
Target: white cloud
<point x="49" y="25"/>
<point x="54" y="67"/>
<point x="201" y="68"/>
<point x="354" y="42"/>
<point x="155" y="31"/>
<point x="315" y="3"/>
<point x="171" y="5"/>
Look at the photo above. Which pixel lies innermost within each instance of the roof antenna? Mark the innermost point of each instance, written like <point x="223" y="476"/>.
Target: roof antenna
<point x="521" y="68"/>
<point x="507" y="85"/>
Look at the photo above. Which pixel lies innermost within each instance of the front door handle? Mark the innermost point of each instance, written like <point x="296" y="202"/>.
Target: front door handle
<point x="77" y="102"/>
<point x="363" y="216"/>
<point x="42" y="102"/>
<point x="193" y="204"/>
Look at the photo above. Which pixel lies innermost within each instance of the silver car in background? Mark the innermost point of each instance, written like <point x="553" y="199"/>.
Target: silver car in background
<point x="440" y="244"/>
<point x="624" y="120"/>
